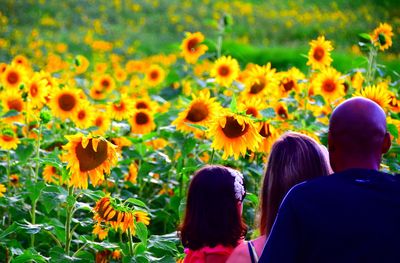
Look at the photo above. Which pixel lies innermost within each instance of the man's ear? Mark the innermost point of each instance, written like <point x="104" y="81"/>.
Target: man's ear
<point x="387" y="142"/>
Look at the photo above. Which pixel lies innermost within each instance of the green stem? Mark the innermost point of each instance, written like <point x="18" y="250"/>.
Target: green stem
<point x="8" y="164"/>
<point x="371" y="65"/>
<point x="82" y="247"/>
<point x="68" y="222"/>
<point x="54" y="238"/>
<point x="130" y="243"/>
<point x="212" y="157"/>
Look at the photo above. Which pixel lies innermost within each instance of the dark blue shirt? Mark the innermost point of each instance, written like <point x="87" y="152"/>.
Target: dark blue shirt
<point x="352" y="216"/>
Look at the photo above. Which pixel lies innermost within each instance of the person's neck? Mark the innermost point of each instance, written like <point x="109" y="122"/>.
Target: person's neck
<point x="367" y="163"/>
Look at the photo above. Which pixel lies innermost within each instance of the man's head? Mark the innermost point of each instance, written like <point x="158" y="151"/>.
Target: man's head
<point x="357" y="135"/>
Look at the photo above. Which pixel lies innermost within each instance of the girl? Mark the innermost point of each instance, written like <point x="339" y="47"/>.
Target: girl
<point x="213" y="225"/>
<point x="294" y="158"/>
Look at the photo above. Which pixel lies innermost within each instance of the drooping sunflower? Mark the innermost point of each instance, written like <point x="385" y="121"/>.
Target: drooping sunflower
<point x="101" y="232"/>
<point x="121" y="109"/>
<point x="155" y="75"/>
<point x="83" y="117"/>
<point x="225" y="70"/>
<point x="8" y="140"/>
<point x="382" y="36"/>
<point x="260" y="82"/>
<point x="269" y="135"/>
<point x="142" y="122"/>
<point x="13" y="77"/>
<point x="202" y="110"/>
<point x="377" y="93"/>
<point x="131" y="176"/>
<point x="102" y="121"/>
<point x="12" y="100"/>
<point x="51" y="175"/>
<point x="191" y="47"/>
<point x="329" y="84"/>
<point x="319" y="55"/>
<point x="235" y="134"/>
<point x="141" y="217"/>
<point x="88" y="156"/>
<point x="290" y="81"/>
<point x="64" y="103"/>
<point x="37" y="91"/>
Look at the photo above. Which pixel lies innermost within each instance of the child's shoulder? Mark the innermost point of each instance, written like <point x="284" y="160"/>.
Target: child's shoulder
<point x="200" y="255"/>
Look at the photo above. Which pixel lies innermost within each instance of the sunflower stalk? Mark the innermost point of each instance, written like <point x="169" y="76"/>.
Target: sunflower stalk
<point x="70" y="208"/>
<point x="130" y="242"/>
<point x="373" y="52"/>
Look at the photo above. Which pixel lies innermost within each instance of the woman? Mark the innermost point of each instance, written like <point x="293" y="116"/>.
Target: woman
<point x="294" y="158"/>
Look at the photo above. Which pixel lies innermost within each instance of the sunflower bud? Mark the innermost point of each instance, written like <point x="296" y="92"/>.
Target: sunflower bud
<point x="45" y="116"/>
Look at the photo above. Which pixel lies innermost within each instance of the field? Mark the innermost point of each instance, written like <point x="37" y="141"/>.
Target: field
<point x="108" y="108"/>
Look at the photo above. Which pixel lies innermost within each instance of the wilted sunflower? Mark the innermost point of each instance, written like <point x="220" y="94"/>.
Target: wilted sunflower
<point x="131" y="176"/>
<point x="235" y="134"/>
<point x="12" y="100"/>
<point x="382" y="36"/>
<point x="64" y="103"/>
<point x="329" y="84"/>
<point x="121" y="109"/>
<point x="225" y="70"/>
<point x="99" y="231"/>
<point x="83" y="118"/>
<point x="319" y="55"/>
<point x="377" y="93"/>
<point x="102" y="122"/>
<point x="3" y="189"/>
<point x="260" y="82"/>
<point x="13" y="77"/>
<point x="142" y="122"/>
<point x="269" y="135"/>
<point x="192" y="48"/>
<point x="8" y="139"/>
<point x="201" y="111"/>
<point x="155" y="75"/>
<point x="37" y="91"/>
<point x="88" y="156"/>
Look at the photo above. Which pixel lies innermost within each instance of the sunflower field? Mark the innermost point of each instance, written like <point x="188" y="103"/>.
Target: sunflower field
<point x="108" y="107"/>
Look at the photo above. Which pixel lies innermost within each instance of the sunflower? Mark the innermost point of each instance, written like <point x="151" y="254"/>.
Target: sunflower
<point x="120" y="75"/>
<point x="382" y="36"/>
<point x="142" y="122"/>
<point x="3" y="189"/>
<point x="8" y="139"/>
<point x="290" y="81"/>
<point x="98" y="94"/>
<point x="202" y="110"/>
<point x="37" y="91"/>
<point x="88" y="156"/>
<point x="83" y="117"/>
<point x="252" y="106"/>
<point x="51" y="175"/>
<point x="357" y="80"/>
<point x="329" y="84"/>
<point x="12" y="100"/>
<point x="394" y="103"/>
<point x="121" y="142"/>
<point x="22" y="61"/>
<point x="192" y="48"/>
<point x="377" y="93"/>
<point x="102" y="122"/>
<point x="13" y="77"/>
<point x="261" y="81"/>
<point x="102" y="233"/>
<point x="131" y="176"/>
<point x="141" y="217"/>
<point x="269" y="135"/>
<point x="100" y="67"/>
<point x="225" y="70"/>
<point x="155" y="75"/>
<point x="319" y="55"/>
<point x="145" y="103"/>
<point x="120" y="109"/>
<point x="235" y="134"/>
<point x="281" y="111"/>
<point x="64" y="103"/>
<point x="81" y="64"/>
<point x="14" y="180"/>
<point x="104" y="83"/>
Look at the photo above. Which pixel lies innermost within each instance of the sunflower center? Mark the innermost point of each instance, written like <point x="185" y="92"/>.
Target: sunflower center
<point x="12" y="77"/>
<point x="233" y="129"/>
<point x="105" y="83"/>
<point x="257" y="87"/>
<point x="88" y="158"/>
<point x="7" y="138"/>
<point x="141" y="118"/>
<point x="288" y="85"/>
<point x="252" y="111"/>
<point x="265" y="131"/>
<point x="328" y="85"/>
<point x="34" y="90"/>
<point x="99" y="122"/>
<point x="53" y="170"/>
<point x="119" y="106"/>
<point x="154" y="75"/>
<point x="281" y="111"/>
<point x="197" y="112"/>
<point x="81" y="115"/>
<point x="223" y="71"/>
<point x="67" y="102"/>
<point x="192" y="45"/>
<point x="141" y="105"/>
<point x="319" y="53"/>
<point x="15" y="104"/>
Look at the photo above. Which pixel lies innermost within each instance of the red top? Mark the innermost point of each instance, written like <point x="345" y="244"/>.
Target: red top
<point x="199" y="256"/>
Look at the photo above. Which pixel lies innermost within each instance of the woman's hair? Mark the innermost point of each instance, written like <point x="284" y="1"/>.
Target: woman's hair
<point x="212" y="216"/>
<point x="294" y="158"/>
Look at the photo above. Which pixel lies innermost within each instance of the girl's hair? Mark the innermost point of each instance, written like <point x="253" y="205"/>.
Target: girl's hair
<point x="212" y="216"/>
<point x="294" y="158"/>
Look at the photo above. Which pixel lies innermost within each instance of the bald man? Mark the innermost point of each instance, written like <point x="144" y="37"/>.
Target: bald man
<point x="352" y="215"/>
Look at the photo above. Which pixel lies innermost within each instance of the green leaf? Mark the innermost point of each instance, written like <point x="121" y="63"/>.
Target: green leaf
<point x="393" y="130"/>
<point x="252" y="198"/>
<point x="52" y="197"/>
<point x="10" y="113"/>
<point x="233" y="105"/>
<point x="141" y="232"/>
<point x="136" y="202"/>
<point x="188" y="146"/>
<point x="24" y="151"/>
<point x="140" y="248"/>
<point x="364" y="37"/>
<point x="34" y="189"/>
<point x="9" y="230"/>
<point x="30" y="255"/>
<point x="93" y="195"/>
<point x="196" y="126"/>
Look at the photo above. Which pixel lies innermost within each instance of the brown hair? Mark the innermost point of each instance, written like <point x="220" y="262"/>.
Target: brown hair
<point x="294" y="158"/>
<point x="212" y="216"/>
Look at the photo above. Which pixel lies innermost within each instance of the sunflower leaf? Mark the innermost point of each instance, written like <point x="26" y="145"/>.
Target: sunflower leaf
<point x="142" y="233"/>
<point x="233" y="105"/>
<point x="10" y="113"/>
